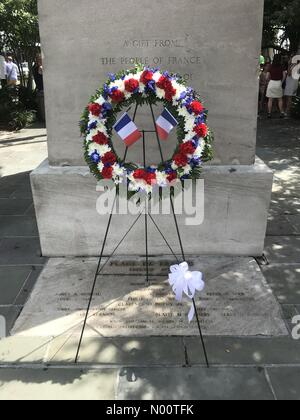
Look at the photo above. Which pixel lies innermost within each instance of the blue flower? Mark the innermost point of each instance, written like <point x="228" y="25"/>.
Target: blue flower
<point x="105" y="92"/>
<point x="183" y="95"/>
<point x="106" y="107"/>
<point x="112" y="77"/>
<point x="195" y="162"/>
<point x="151" y="86"/>
<point x="196" y="142"/>
<point x="95" y="157"/>
<point x="201" y="119"/>
<point x="92" y="126"/>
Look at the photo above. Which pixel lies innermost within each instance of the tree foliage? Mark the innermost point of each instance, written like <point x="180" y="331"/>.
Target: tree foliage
<point x="283" y="16"/>
<point x="19" y="31"/>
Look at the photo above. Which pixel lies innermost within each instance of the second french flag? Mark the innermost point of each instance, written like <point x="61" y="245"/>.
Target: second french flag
<point x="165" y="124"/>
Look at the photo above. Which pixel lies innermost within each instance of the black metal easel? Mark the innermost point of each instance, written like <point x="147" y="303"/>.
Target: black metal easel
<point x="147" y="216"/>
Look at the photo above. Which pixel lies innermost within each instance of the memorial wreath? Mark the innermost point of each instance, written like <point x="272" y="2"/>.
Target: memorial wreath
<point x="146" y="86"/>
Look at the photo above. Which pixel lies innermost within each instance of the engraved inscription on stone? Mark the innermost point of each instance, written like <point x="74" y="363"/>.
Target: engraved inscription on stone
<point x="163" y="46"/>
<point x="236" y="300"/>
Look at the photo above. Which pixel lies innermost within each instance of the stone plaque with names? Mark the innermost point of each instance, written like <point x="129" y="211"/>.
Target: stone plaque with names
<point x="235" y="302"/>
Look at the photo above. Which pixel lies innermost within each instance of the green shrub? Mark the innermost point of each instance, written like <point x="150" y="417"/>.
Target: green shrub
<point x="17" y="107"/>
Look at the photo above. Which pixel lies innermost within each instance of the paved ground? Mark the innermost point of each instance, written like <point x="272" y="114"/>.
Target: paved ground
<point x="248" y="368"/>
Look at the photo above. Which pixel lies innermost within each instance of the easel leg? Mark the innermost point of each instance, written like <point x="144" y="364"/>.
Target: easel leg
<point x="146" y="215"/>
<point x="95" y="281"/>
<point x="194" y="303"/>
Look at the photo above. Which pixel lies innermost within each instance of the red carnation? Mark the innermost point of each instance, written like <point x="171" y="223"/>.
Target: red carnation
<point x="180" y="159"/>
<point x="165" y="84"/>
<point x="109" y="158"/>
<point x="139" y="174"/>
<point x="146" y="77"/>
<point x="150" y="178"/>
<point x="196" y="107"/>
<point x="117" y="96"/>
<point x="170" y="93"/>
<point x="131" y="85"/>
<point x="201" y="130"/>
<point x="187" y="148"/>
<point x="107" y="173"/>
<point x="172" y="176"/>
<point x="100" y="138"/>
<point x="95" y="109"/>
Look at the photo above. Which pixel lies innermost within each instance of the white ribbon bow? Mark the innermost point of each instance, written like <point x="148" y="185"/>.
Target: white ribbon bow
<point x="186" y="282"/>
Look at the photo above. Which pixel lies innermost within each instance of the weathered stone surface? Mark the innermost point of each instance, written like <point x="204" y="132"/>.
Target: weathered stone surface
<point x="20" y="251"/>
<point x="236" y="301"/>
<point x="57" y="384"/>
<point x="218" y="53"/>
<point x="13" y="226"/>
<point x="18" y="350"/>
<point x="236" y="208"/>
<point x="285" y="382"/>
<point x="13" y="207"/>
<point x="121" y="351"/>
<point x="245" y="351"/>
<point x="284" y="280"/>
<point x="11" y="281"/>
<point x="283" y="249"/>
<point x="193" y="384"/>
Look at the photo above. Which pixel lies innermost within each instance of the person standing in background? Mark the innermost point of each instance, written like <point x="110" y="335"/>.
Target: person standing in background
<point x="263" y="84"/>
<point x="11" y="72"/>
<point x="276" y="78"/>
<point x="291" y="87"/>
<point x="2" y="70"/>
<point x="39" y="82"/>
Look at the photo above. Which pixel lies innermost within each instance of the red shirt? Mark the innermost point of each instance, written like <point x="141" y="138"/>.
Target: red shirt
<point x="276" y="72"/>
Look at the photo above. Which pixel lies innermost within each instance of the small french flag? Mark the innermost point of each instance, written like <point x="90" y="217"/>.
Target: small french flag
<point x="165" y="124"/>
<point x="127" y="130"/>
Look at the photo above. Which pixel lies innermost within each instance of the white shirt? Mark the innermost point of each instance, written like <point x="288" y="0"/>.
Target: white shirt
<point x="2" y="68"/>
<point x="12" y="71"/>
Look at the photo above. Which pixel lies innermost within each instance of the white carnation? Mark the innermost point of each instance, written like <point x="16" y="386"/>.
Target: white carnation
<point x="100" y="166"/>
<point x="189" y="125"/>
<point x="199" y="151"/>
<point x="160" y="93"/>
<point x="184" y="113"/>
<point x="157" y="76"/>
<point x="179" y="90"/>
<point x="100" y="100"/>
<point x="100" y="128"/>
<point x="119" y="84"/>
<point x="101" y="149"/>
<point x="118" y="170"/>
<point x="162" y="179"/>
<point x="187" y="169"/>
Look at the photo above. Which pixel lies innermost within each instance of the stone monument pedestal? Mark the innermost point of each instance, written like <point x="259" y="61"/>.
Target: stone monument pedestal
<point x="235" y="215"/>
